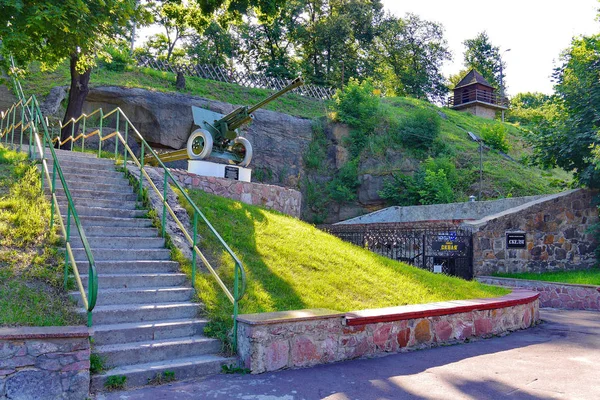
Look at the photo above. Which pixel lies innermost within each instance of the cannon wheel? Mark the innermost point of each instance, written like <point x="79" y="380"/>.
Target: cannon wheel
<point x="199" y="145"/>
<point x="242" y="148"/>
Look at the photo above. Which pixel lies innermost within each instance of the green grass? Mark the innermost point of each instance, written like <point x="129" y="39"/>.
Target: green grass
<point x="40" y="83"/>
<point x="292" y="265"/>
<point x="30" y="266"/>
<point x="580" y="277"/>
<point x="501" y="177"/>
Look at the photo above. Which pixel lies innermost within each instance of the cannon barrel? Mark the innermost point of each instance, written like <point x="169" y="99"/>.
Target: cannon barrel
<point x="295" y="83"/>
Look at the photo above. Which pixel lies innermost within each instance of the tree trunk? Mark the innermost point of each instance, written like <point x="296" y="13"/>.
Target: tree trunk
<point x="77" y="93"/>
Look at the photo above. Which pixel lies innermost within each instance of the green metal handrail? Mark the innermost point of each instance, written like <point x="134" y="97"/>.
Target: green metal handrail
<point x="31" y="118"/>
<point x="239" y="285"/>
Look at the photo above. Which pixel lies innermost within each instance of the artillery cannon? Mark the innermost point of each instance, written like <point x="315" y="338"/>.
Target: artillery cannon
<point x="218" y="135"/>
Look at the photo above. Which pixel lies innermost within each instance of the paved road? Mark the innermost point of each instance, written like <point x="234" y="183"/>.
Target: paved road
<point x="559" y="359"/>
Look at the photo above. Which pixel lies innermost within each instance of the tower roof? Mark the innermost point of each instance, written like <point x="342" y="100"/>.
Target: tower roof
<point x="472" y="78"/>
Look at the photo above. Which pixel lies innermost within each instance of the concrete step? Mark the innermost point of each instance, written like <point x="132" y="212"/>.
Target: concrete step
<point x="112" y="180"/>
<point x="95" y="194"/>
<point x="183" y="368"/>
<point x="108" y="297"/>
<point x="104" y="203"/>
<point x="156" y="312"/>
<point x="88" y="162"/>
<point x="96" y="185"/>
<point x="111" y="222"/>
<point x="131" y="267"/>
<point x="105" y="212"/>
<point x="141" y="332"/>
<point x="69" y="172"/>
<point x="116" y="355"/>
<point x="114" y="242"/>
<point x="127" y="280"/>
<point x="120" y="255"/>
<point x="100" y="231"/>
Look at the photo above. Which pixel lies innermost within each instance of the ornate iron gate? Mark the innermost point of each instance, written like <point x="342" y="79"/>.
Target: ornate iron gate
<point x="447" y="250"/>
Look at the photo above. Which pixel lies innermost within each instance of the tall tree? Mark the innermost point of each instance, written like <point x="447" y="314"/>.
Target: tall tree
<point x="486" y="58"/>
<point x="51" y="31"/>
<point x="414" y="50"/>
<point x="176" y="17"/>
<point x="215" y="46"/>
<point x="571" y="139"/>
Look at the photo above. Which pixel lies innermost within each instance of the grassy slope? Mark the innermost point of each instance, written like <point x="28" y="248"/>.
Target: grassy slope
<point x="30" y="268"/>
<point x="292" y="265"/>
<point x="40" y="84"/>
<point x="501" y="177"/>
<point x="585" y="277"/>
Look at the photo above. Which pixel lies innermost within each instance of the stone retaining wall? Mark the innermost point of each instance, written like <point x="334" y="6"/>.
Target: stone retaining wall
<point x="273" y="341"/>
<point x="285" y="200"/>
<point x="557" y="235"/>
<point x="44" y="363"/>
<point x="555" y="295"/>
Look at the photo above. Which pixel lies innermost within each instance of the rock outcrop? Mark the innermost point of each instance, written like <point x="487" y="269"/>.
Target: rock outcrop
<point x="278" y="140"/>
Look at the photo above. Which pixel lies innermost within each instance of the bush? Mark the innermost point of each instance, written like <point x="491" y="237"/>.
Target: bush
<point x="357" y="105"/>
<point x="119" y="58"/>
<point x="342" y="188"/>
<point x="495" y="137"/>
<point x="420" y="129"/>
<point x="436" y="189"/>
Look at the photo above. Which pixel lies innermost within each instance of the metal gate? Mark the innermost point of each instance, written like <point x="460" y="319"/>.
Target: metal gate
<point x="447" y="250"/>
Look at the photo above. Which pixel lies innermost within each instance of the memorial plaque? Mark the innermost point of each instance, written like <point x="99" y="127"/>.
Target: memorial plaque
<point x="516" y="240"/>
<point x="232" y="173"/>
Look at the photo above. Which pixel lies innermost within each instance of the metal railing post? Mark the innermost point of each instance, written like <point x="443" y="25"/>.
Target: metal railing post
<point x="12" y="136"/>
<point x="67" y="244"/>
<point x="235" y="305"/>
<point x="52" y="189"/>
<point x="116" y="138"/>
<point x="141" y="174"/>
<point x="72" y="133"/>
<point x="195" y="237"/>
<point x="125" y="145"/>
<point x="83" y="132"/>
<point x="100" y="133"/>
<point x="164" y="212"/>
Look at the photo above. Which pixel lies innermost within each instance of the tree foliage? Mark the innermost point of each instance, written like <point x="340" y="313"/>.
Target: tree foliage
<point x="569" y="138"/>
<point x="483" y="56"/>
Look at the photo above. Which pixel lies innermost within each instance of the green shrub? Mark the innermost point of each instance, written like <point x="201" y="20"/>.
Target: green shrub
<point x="495" y="137"/>
<point x="342" y="188"/>
<point x="357" y="105"/>
<point x="115" y="382"/>
<point x="420" y="129"/>
<point x="316" y="153"/>
<point x="436" y="189"/>
<point x="120" y="58"/>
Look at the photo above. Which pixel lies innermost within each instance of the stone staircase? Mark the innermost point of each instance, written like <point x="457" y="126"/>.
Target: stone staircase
<point x="144" y="322"/>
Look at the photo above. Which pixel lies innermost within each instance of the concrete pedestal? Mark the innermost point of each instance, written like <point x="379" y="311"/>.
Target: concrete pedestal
<point x="207" y="168"/>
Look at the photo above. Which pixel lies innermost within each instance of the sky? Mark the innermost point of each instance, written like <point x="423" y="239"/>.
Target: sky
<point x="535" y="31"/>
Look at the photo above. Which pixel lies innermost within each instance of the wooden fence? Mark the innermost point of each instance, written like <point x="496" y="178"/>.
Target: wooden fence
<point x="250" y="80"/>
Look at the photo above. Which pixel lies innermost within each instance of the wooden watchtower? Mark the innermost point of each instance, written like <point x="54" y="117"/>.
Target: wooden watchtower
<point x="474" y="94"/>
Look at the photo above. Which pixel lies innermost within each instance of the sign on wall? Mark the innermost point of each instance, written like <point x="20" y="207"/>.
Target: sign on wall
<point x="232" y="173"/>
<point x="446" y="246"/>
<point x="516" y="240"/>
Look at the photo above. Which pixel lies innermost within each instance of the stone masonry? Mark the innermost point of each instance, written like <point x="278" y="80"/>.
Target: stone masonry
<point x="557" y="235"/>
<point x="44" y="363"/>
<point x="285" y="200"/>
<point x="556" y="295"/>
<point x="309" y="337"/>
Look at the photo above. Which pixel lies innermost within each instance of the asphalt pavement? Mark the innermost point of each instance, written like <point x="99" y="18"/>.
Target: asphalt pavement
<point x="558" y="359"/>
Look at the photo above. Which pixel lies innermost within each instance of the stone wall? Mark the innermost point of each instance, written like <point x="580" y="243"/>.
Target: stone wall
<point x="557" y="235"/>
<point x="44" y="363"/>
<point x="273" y="341"/>
<point x="555" y="295"/>
<point x="285" y="200"/>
